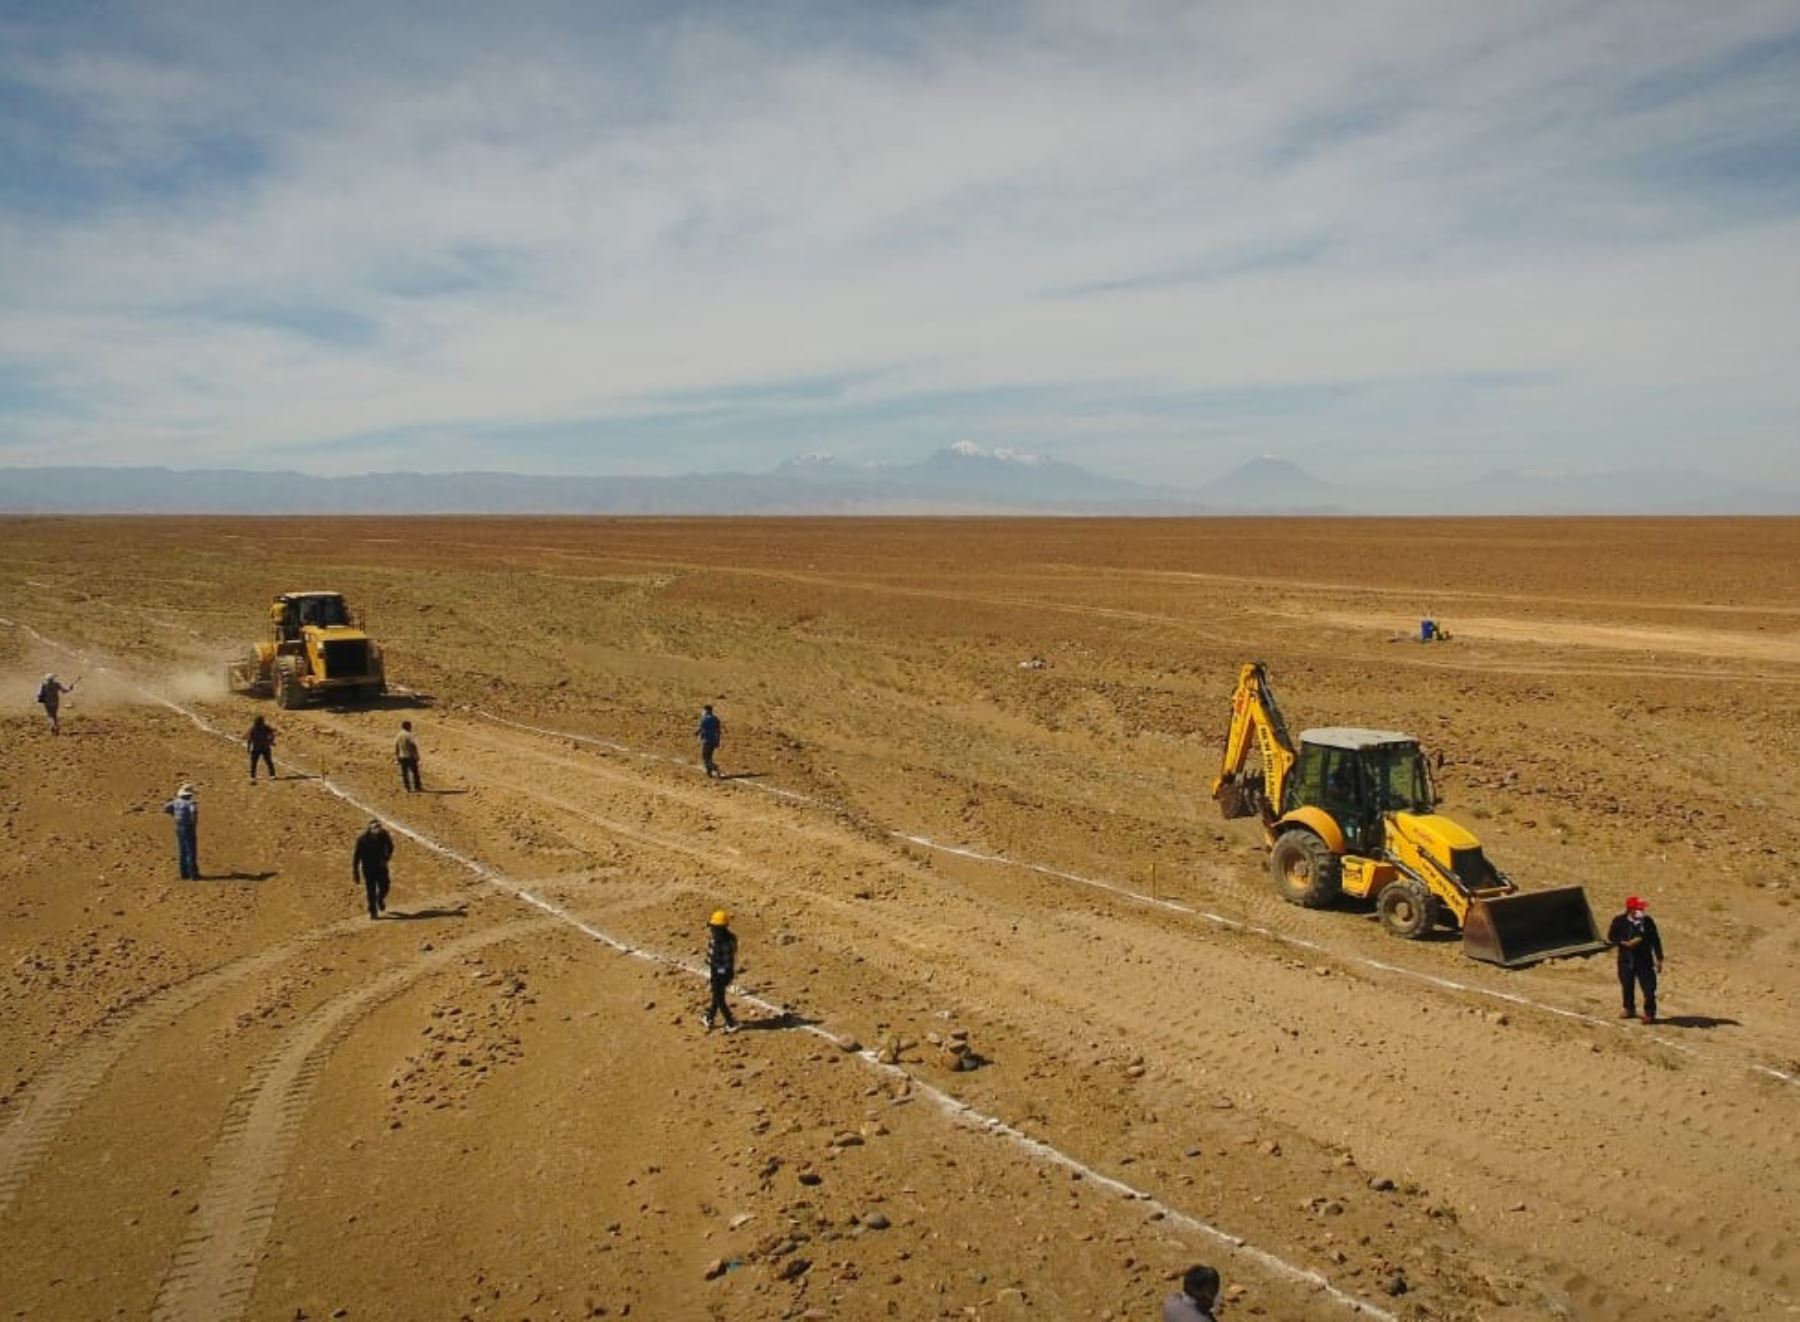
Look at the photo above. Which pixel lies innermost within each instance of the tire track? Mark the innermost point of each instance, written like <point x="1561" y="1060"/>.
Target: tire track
<point x="1727" y="1245"/>
<point x="214" y="1268"/>
<point x="201" y="1252"/>
<point x="56" y="1095"/>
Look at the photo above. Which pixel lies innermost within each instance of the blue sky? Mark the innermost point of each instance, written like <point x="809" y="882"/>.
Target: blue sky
<point x="1389" y="241"/>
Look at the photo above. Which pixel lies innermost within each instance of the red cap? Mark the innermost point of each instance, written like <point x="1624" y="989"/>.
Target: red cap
<point x="1632" y="902"/>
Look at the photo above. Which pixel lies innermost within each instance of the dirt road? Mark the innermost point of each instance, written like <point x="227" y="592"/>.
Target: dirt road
<point x="503" y="1105"/>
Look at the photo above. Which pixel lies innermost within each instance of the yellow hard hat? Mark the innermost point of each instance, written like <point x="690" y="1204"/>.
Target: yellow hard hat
<point x="719" y="919"/>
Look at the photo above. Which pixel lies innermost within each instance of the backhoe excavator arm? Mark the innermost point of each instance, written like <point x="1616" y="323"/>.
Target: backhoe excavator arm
<point x="1254" y="715"/>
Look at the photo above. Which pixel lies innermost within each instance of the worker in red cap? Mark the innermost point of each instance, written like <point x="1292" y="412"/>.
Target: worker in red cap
<point x="1634" y="934"/>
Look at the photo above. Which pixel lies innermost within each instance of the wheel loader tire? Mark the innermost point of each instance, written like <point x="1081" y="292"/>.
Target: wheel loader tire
<point x="1407" y="909"/>
<point x="1306" y="872"/>
<point x="289" y="692"/>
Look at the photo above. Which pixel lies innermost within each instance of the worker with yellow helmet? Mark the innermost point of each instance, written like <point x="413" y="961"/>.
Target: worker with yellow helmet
<point x="721" y="967"/>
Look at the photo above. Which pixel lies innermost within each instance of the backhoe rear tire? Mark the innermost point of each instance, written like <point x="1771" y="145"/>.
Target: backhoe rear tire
<point x="1305" y="870"/>
<point x="1408" y="910"/>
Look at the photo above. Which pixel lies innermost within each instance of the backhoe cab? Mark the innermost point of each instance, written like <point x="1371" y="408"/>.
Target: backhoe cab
<point x="1354" y="812"/>
<point x="315" y="651"/>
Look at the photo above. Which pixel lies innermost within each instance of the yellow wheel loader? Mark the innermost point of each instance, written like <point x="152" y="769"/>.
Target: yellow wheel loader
<point x="315" y="652"/>
<point x="1353" y="812"/>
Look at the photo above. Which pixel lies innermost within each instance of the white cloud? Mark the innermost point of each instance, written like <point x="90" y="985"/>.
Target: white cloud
<point x="1155" y="237"/>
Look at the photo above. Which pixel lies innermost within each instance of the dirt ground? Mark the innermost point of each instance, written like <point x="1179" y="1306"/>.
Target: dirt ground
<point x="240" y="1097"/>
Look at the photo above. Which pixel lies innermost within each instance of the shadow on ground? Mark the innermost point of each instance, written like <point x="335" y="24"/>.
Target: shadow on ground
<point x="775" y="1023"/>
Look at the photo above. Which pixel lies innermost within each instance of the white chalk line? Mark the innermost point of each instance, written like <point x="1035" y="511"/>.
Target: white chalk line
<point x="959" y="1111"/>
<point x="1175" y="906"/>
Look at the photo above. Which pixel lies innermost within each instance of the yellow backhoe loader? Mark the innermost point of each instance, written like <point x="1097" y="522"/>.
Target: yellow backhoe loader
<point x="1353" y="812"/>
<point x="315" y="651"/>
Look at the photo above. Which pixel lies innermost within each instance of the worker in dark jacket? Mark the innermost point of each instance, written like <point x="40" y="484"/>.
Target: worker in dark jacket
<point x="260" y="740"/>
<point x="708" y="733"/>
<point x="406" y="753"/>
<point x="50" y="696"/>
<point x="1640" y="957"/>
<point x="1199" y="1292"/>
<point x="721" y="967"/>
<point x="369" y="864"/>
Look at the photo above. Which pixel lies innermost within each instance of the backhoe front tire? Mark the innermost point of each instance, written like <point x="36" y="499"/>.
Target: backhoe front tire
<point x="1408" y="910"/>
<point x="1305" y="870"/>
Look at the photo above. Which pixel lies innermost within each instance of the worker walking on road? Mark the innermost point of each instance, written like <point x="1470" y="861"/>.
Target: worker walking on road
<point x="1640" y="957"/>
<point x="406" y="753"/>
<point x="260" y="740"/>
<point x="369" y="865"/>
<point x="50" y="696"/>
<point x="721" y="967"/>
<point x="185" y="809"/>
<point x="708" y="733"/>
<point x="1199" y="1294"/>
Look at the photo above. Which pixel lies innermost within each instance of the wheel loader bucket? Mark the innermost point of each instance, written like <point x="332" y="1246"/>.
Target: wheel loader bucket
<point x="1528" y="926"/>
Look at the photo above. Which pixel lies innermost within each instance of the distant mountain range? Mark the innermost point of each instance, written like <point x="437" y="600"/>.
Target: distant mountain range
<point x="962" y="479"/>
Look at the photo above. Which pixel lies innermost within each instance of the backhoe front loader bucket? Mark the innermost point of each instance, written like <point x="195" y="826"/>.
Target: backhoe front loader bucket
<point x="1528" y="926"/>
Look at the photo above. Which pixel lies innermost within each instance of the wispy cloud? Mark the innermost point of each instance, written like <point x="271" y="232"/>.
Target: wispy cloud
<point x="1152" y="237"/>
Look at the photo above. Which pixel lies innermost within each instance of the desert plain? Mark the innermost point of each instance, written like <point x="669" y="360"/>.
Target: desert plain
<point x="238" y="1097"/>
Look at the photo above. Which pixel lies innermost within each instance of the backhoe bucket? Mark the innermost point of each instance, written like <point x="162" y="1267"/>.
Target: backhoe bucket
<point x="1528" y="926"/>
<point x="1240" y="798"/>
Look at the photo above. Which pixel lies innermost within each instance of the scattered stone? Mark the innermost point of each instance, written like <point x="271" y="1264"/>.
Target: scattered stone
<point x="1381" y="1184"/>
<point x="715" y="1269"/>
<point x="741" y="1220"/>
<point x="1499" y="1018"/>
<point x="1396" y="1285"/>
<point x="811" y="1178"/>
<point x="876" y="1220"/>
<point x="794" y="1268"/>
<point x="1269" y="1148"/>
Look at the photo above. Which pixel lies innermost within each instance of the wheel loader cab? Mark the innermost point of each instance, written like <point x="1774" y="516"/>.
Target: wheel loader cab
<point x="298" y="611"/>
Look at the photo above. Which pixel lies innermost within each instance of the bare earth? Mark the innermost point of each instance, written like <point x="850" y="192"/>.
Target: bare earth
<point x="240" y="1097"/>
